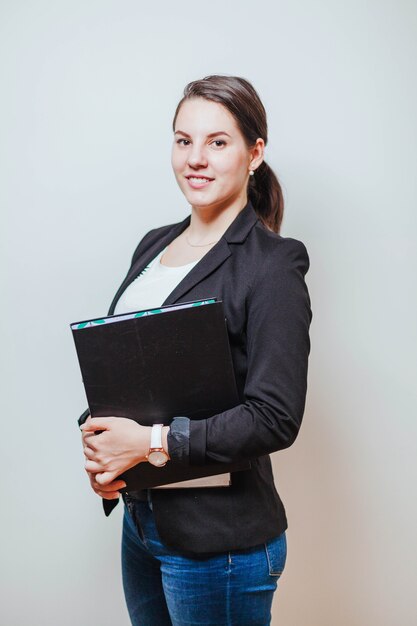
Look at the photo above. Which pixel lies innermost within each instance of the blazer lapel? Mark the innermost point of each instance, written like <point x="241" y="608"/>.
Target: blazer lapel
<point x="235" y="234"/>
<point x="144" y="260"/>
<point x="210" y="261"/>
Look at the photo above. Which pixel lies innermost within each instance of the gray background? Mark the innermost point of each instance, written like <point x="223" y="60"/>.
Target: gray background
<point x="88" y="90"/>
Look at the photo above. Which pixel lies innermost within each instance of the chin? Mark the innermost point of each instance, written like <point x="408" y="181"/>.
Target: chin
<point x="196" y="199"/>
<point x="206" y="204"/>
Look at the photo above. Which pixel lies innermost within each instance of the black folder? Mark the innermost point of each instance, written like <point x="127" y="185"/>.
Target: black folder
<point x="154" y="365"/>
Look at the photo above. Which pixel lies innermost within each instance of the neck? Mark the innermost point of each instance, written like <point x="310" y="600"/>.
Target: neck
<point x="210" y="223"/>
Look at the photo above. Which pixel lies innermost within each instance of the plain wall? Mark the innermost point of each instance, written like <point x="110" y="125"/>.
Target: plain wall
<point x="88" y="90"/>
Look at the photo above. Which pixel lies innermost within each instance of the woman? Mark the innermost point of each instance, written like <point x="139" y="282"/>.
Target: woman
<point x="214" y="556"/>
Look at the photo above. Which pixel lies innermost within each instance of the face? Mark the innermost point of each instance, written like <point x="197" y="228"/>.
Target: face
<point x="210" y="158"/>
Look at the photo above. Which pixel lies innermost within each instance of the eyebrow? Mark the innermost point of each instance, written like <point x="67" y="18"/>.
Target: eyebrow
<point x="219" y="132"/>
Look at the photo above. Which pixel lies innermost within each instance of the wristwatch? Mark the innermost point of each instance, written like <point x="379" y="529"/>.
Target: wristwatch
<point x="157" y="455"/>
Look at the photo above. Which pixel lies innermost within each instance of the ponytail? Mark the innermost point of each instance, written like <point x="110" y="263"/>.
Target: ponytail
<point x="265" y="193"/>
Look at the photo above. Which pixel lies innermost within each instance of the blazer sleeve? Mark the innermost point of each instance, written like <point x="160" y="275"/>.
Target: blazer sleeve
<point x="278" y="345"/>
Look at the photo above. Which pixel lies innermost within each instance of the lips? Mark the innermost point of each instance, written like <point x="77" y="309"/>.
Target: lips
<point x="198" y="182"/>
<point x="199" y="179"/>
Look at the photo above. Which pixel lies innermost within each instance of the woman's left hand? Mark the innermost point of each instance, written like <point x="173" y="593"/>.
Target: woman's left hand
<point x="121" y="444"/>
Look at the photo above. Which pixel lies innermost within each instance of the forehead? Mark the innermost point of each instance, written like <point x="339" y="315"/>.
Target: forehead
<point x="204" y="116"/>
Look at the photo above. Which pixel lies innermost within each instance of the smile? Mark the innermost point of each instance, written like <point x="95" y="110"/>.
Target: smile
<point x="198" y="181"/>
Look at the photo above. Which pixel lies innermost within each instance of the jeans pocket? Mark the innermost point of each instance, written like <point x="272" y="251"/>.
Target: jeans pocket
<point x="276" y="554"/>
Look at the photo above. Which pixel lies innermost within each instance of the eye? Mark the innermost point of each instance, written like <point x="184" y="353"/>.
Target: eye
<point x="218" y="143"/>
<point x="183" y="142"/>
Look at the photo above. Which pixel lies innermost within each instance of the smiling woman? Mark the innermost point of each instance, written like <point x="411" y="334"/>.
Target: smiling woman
<point x="211" y="163"/>
<point x="214" y="555"/>
<point x="210" y="158"/>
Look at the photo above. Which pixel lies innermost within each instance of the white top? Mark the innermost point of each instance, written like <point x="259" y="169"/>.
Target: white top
<point x="152" y="287"/>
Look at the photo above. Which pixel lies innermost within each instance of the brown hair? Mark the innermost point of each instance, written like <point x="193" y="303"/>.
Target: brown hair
<point x="239" y="97"/>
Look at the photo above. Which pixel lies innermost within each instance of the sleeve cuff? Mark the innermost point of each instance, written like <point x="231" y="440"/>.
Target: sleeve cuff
<point x="179" y="440"/>
<point x="83" y="417"/>
<point x="187" y="441"/>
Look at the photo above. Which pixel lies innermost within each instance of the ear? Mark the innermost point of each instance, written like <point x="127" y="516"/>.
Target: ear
<point x="256" y="154"/>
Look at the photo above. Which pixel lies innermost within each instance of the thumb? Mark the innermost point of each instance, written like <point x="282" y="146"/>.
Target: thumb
<point x="96" y="423"/>
<point x="105" y="478"/>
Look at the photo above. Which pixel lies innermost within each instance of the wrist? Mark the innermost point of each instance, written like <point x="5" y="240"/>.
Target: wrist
<point x="147" y="442"/>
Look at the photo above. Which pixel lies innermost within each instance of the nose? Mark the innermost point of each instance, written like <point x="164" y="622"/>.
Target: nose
<point x="196" y="156"/>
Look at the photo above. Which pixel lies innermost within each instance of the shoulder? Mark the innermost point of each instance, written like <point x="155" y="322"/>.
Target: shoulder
<point x="276" y="253"/>
<point x="277" y="281"/>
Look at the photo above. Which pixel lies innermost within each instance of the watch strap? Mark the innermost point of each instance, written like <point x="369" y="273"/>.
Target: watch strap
<point x="156" y="437"/>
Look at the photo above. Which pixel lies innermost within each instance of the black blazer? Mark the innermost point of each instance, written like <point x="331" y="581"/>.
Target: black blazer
<point x="260" y="278"/>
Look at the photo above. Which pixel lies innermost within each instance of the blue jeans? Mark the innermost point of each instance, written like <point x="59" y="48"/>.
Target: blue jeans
<point x="164" y="587"/>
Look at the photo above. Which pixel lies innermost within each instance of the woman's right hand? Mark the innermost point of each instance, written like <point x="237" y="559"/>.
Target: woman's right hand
<point x="110" y="491"/>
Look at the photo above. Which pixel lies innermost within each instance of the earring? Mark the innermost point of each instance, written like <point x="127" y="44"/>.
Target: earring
<point x="251" y="173"/>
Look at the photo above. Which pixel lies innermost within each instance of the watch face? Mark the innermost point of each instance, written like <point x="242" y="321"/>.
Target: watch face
<point x="157" y="458"/>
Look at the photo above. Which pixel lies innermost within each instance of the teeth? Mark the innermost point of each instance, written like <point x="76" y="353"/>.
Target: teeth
<point x="196" y="179"/>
